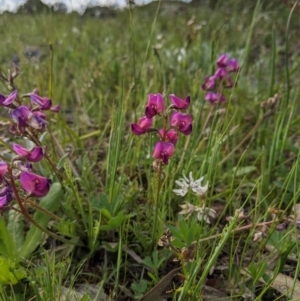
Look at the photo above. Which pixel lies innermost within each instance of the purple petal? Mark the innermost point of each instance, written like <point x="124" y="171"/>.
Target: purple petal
<point x="145" y="123"/>
<point x="3" y="201"/>
<point x="233" y="65"/>
<point x="175" y="119"/>
<point x="35" y="184"/>
<point x="168" y="148"/>
<point x="21" y="115"/>
<point x="27" y="181"/>
<point x="170" y="136"/>
<point x="155" y="105"/>
<point x="36" y="154"/>
<point x="157" y="150"/>
<point x="10" y="98"/>
<point x="163" y="151"/>
<point x="36" y="99"/>
<point x="160" y="103"/>
<point x="150" y="112"/>
<point x="213" y="97"/>
<point x="55" y="108"/>
<point x="222" y="60"/>
<point x="20" y="150"/>
<point x="2" y="99"/>
<point x="187" y="130"/>
<point x="3" y="168"/>
<point x="137" y="130"/>
<point x="180" y="103"/>
<point x="44" y="102"/>
<point x="209" y="83"/>
<point x="221" y="73"/>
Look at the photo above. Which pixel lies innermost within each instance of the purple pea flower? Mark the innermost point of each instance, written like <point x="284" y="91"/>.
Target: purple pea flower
<point x="232" y="65"/>
<point x="34" y="184"/>
<point x="155" y="105"/>
<point x="171" y="136"/>
<point x="223" y="75"/>
<point x="43" y="102"/>
<point x="163" y="151"/>
<point x="6" y="101"/>
<point x="209" y="84"/>
<point x="39" y="120"/>
<point x="183" y="122"/>
<point x="6" y="195"/>
<point x="213" y="97"/>
<point x="3" y="170"/>
<point x="23" y="117"/>
<point x="35" y="155"/>
<point x="222" y="61"/>
<point x="142" y="126"/>
<point x="180" y="104"/>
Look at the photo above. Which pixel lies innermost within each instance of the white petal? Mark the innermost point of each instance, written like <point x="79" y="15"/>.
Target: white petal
<point x="181" y="183"/>
<point x="200" y="190"/>
<point x="204" y="217"/>
<point x="198" y="182"/>
<point x="211" y="212"/>
<point x="184" y="206"/>
<point x="181" y="192"/>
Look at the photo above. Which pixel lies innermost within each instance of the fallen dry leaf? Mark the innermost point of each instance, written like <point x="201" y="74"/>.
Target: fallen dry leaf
<point x="282" y="283"/>
<point x="285" y="285"/>
<point x="159" y="288"/>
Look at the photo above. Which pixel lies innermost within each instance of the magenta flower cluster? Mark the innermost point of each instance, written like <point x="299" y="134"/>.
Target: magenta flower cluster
<point x="27" y="116"/>
<point x="28" y="120"/>
<point x="168" y="135"/>
<point x="214" y="84"/>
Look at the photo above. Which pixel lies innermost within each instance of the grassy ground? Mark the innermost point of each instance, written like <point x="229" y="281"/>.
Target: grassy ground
<point x="111" y="215"/>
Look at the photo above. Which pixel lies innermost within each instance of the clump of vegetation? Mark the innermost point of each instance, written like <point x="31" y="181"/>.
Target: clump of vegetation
<point x="195" y="200"/>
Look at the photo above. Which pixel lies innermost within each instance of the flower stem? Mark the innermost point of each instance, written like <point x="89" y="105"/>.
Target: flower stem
<point x="37" y="206"/>
<point x="154" y="231"/>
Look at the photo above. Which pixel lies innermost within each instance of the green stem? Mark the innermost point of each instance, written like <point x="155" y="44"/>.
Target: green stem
<point x="159" y="173"/>
<point x="37" y="206"/>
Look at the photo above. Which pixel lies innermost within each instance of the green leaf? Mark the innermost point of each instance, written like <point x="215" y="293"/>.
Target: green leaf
<point x="7" y="245"/>
<point x="15" y="227"/>
<point x="140" y="287"/>
<point x="243" y="170"/>
<point x="148" y="262"/>
<point x="9" y="274"/>
<point x="50" y="202"/>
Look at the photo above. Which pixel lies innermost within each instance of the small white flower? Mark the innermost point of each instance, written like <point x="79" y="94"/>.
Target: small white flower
<point x="187" y="209"/>
<point x="204" y="213"/>
<point x="186" y="183"/>
<point x="184" y="187"/>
